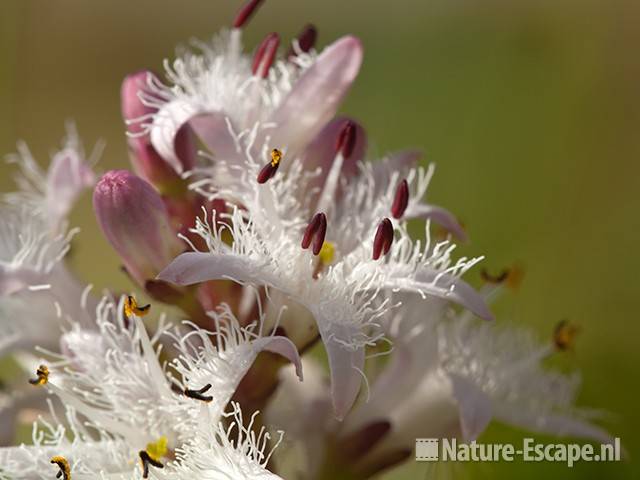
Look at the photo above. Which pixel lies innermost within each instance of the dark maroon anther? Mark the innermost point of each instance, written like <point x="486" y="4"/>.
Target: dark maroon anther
<point x="245" y="12"/>
<point x="315" y="232"/>
<point x="268" y="171"/>
<point x="383" y="239"/>
<point x="265" y="54"/>
<point x="346" y="139"/>
<point x="400" y="200"/>
<point x="306" y="40"/>
<point x="318" y="239"/>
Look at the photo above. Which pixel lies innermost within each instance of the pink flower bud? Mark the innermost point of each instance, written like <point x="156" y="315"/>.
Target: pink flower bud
<point x="146" y="161"/>
<point x="135" y="221"/>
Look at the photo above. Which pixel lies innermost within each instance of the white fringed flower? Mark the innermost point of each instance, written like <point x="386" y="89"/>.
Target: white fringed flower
<point x="28" y="250"/>
<point x="51" y="194"/>
<point x="134" y="409"/>
<point x="34" y="239"/>
<point x="341" y="286"/>
<point x="461" y="374"/>
<point x="216" y="90"/>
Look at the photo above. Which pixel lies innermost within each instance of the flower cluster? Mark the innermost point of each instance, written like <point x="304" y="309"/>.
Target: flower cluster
<point x="281" y="238"/>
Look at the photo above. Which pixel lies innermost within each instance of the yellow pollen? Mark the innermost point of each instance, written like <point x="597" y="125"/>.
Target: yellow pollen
<point x="131" y="307"/>
<point x="564" y="335"/>
<point x="42" y="374"/>
<point x="65" y="468"/>
<point x="515" y="277"/>
<point x="157" y="449"/>
<point x="327" y="252"/>
<point x="276" y="156"/>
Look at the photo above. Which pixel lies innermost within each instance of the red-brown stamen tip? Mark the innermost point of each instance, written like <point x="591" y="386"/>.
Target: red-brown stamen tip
<point x="347" y="139"/>
<point x="270" y="169"/>
<point x="306" y="40"/>
<point x="400" y="200"/>
<point x="265" y="55"/>
<point x="315" y="232"/>
<point x="383" y="239"/>
<point x="267" y="172"/>
<point x="245" y="13"/>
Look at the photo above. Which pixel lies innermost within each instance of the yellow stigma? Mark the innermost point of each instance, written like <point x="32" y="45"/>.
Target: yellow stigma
<point x="131" y="307"/>
<point x="564" y="335"/>
<point x="157" y="449"/>
<point x="327" y="252"/>
<point x="276" y="156"/>
<point x="65" y="468"/>
<point x="42" y="376"/>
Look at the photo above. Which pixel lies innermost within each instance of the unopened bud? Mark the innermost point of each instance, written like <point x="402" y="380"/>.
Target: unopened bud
<point x="136" y="223"/>
<point x="146" y="161"/>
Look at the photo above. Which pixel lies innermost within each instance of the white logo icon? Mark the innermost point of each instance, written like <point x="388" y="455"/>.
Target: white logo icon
<point x="426" y="449"/>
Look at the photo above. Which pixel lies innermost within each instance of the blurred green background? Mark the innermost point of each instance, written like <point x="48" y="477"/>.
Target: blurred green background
<point x="530" y="109"/>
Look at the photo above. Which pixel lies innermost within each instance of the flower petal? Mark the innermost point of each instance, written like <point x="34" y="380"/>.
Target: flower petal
<point x="474" y="405"/>
<point x="171" y="117"/>
<point x="67" y="177"/>
<point x="554" y="424"/>
<point x="441" y="216"/>
<point x="282" y="346"/>
<point x="195" y="267"/>
<point x="321" y="152"/>
<point x="213" y="130"/>
<point x="447" y="287"/>
<point x="316" y="96"/>
<point x="399" y="162"/>
<point x="346" y="365"/>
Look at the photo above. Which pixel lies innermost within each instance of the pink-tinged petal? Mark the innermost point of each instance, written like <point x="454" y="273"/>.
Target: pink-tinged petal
<point x="346" y="364"/>
<point x="132" y="107"/>
<point x="474" y="406"/>
<point x="67" y="178"/>
<point x="213" y="130"/>
<point x="13" y="280"/>
<point x="196" y="267"/>
<point x="317" y="95"/>
<point x="148" y="164"/>
<point x="282" y="346"/>
<point x="441" y="216"/>
<point x="447" y="287"/>
<point x="168" y="121"/>
<point x="321" y="152"/>
<point x="562" y="425"/>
